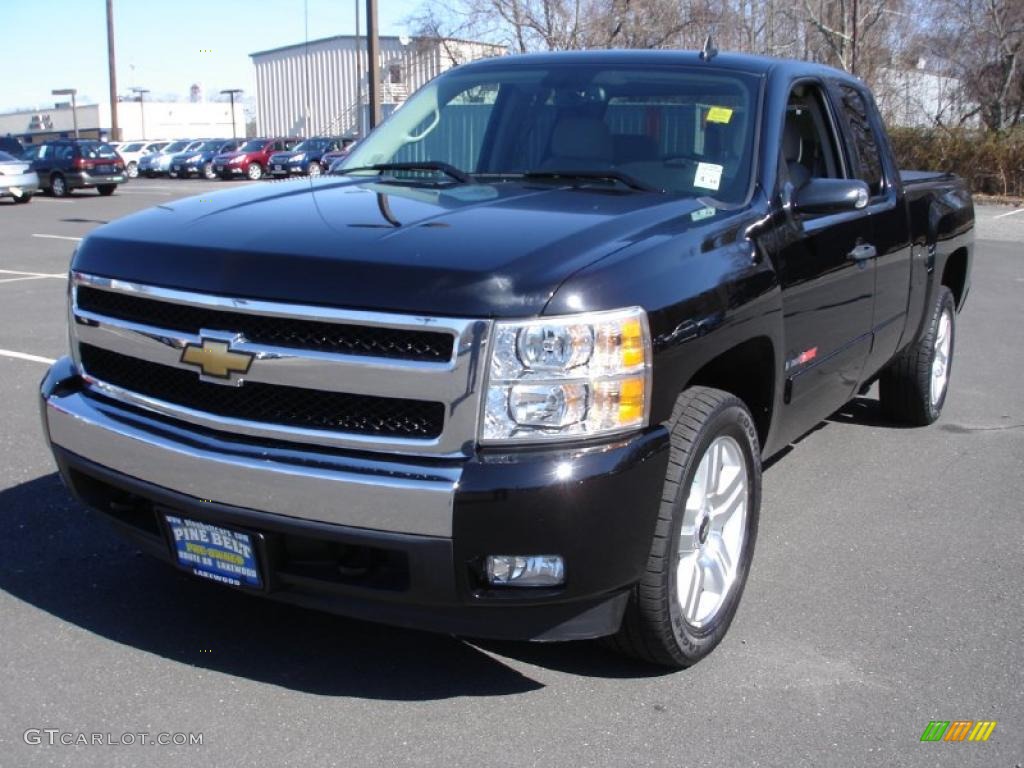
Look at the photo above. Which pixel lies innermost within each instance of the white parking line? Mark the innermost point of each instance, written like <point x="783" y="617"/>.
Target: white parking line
<point x="58" y="275"/>
<point x="58" y="237"/>
<point x="19" y="279"/>
<point x="23" y="356"/>
<point x="1009" y="213"/>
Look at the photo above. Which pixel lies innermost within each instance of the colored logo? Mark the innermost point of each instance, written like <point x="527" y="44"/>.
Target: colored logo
<point x="958" y="730"/>
<point x="216" y="358"/>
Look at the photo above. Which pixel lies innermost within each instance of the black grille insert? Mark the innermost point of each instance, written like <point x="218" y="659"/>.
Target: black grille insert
<point x="268" y="403"/>
<point x="317" y="335"/>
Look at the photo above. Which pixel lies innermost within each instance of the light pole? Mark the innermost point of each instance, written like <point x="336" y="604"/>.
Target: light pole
<point x="72" y="92"/>
<point x="115" y="131"/>
<point x="142" y="108"/>
<point x="231" y="92"/>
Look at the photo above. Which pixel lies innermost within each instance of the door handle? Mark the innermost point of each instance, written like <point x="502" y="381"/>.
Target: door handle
<point x="862" y="252"/>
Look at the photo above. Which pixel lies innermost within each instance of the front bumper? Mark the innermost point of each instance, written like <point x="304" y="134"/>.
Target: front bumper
<point x="424" y="527"/>
<point x="24" y="183"/>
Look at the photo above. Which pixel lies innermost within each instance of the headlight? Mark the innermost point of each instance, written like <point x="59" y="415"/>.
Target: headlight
<point x="299" y="157"/>
<point x="568" y="377"/>
<point x="237" y="159"/>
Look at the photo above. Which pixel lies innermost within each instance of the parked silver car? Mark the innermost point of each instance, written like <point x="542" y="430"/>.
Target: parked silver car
<point x="17" y="179"/>
<point x="159" y="163"/>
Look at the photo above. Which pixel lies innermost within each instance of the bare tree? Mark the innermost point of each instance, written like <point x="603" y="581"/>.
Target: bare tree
<point x="981" y="42"/>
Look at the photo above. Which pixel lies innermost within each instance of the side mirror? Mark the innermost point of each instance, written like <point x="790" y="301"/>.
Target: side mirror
<point x="831" y="196"/>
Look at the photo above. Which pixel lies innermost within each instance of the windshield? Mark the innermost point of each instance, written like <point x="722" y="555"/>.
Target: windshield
<point x="253" y="146"/>
<point x="131" y="148"/>
<point x="211" y="145"/>
<point x="684" y="130"/>
<point x="94" y="150"/>
<point x="6" y="158"/>
<point x="193" y="146"/>
<point x="175" y="146"/>
<point x="311" y="145"/>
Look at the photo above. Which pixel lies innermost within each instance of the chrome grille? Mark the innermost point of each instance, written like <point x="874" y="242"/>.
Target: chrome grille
<point x="373" y="381"/>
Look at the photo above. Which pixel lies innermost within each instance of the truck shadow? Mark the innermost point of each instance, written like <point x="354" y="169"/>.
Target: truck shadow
<point x="57" y="556"/>
<point x="863" y="411"/>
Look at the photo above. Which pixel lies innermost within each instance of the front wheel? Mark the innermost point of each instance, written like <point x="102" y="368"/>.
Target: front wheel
<point x="912" y="389"/>
<point x="208" y="171"/>
<point x="132" y="170"/>
<point x="704" y="539"/>
<point x="314" y="169"/>
<point x="254" y="171"/>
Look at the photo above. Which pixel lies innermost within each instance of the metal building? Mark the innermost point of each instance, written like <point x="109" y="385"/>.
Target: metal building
<point x="320" y="87"/>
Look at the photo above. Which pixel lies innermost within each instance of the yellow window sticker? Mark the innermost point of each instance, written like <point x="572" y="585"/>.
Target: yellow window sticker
<point x="719" y="115"/>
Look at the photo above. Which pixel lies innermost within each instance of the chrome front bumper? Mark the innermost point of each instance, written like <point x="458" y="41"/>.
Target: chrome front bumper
<point x="396" y="496"/>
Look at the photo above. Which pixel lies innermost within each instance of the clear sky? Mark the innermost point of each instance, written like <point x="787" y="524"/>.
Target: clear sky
<point x="163" y="45"/>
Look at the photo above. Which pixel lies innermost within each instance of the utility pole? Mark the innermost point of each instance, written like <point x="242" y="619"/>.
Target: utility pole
<point x="372" y="46"/>
<point x="142" y="107"/>
<point x="115" y="132"/>
<point x="359" y="78"/>
<point x="231" y="92"/>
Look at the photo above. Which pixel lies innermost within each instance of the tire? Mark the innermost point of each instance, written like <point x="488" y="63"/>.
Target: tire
<point x="58" y="186"/>
<point x="663" y="623"/>
<point x="208" y="173"/>
<point x="913" y="387"/>
<point x="106" y="189"/>
<point x="314" y="170"/>
<point x="132" y="170"/>
<point x="254" y="171"/>
<point x="24" y="197"/>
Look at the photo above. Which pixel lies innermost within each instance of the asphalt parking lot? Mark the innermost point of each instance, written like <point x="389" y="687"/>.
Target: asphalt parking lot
<point x="886" y="592"/>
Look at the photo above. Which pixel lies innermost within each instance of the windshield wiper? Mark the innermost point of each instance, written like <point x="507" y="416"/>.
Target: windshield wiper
<point x="605" y="175"/>
<point x="425" y="165"/>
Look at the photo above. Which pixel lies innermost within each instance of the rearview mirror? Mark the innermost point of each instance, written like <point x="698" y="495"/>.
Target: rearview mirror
<point x="831" y="196"/>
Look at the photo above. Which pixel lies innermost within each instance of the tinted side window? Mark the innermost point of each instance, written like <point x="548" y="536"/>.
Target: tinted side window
<point x="865" y="143"/>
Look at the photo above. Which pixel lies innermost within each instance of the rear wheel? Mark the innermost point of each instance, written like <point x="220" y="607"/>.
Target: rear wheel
<point x="58" y="186"/>
<point x="23" y="197"/>
<point x="912" y="389"/>
<point x="106" y="189"/>
<point x="704" y="539"/>
<point x="254" y="171"/>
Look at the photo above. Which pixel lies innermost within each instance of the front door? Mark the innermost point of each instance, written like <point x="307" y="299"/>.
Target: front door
<point x="827" y="283"/>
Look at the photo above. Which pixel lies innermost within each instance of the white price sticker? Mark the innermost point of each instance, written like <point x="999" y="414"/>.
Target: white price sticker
<point x="708" y="176"/>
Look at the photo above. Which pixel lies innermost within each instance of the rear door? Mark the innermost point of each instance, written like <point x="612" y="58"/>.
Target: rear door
<point x="871" y="161"/>
<point x="826" y="290"/>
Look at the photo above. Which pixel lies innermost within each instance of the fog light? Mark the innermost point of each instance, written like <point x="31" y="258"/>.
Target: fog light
<point x="525" y="570"/>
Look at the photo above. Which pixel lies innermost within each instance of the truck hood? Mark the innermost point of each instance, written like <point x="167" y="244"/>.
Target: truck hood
<point x="472" y="250"/>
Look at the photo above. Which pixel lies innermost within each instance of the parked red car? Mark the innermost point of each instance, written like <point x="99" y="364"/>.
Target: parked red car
<point x="251" y="159"/>
<point x="348" y="143"/>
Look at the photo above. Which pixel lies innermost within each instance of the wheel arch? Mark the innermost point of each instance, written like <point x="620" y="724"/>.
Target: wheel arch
<point x="746" y="370"/>
<point x="954" y="275"/>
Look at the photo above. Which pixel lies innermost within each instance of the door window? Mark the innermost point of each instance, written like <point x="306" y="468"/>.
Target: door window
<point x="862" y="134"/>
<point x="809" y="147"/>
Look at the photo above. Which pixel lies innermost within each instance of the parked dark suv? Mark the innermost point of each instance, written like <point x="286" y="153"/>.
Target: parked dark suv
<point x="69" y="164"/>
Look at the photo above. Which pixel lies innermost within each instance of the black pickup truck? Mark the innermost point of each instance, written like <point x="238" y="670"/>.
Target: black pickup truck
<point x="512" y="371"/>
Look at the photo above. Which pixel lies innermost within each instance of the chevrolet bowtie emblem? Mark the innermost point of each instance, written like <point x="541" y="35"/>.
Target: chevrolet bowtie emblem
<point x="216" y="359"/>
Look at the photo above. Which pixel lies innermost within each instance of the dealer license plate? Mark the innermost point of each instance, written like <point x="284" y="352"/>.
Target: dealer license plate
<point x="104" y="169"/>
<point x="215" y="553"/>
<point x="278" y="167"/>
<point x="218" y="168"/>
